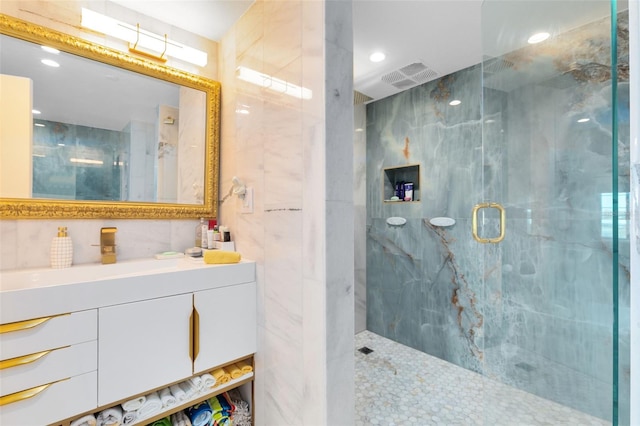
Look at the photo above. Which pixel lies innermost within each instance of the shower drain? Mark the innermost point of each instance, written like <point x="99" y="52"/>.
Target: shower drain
<point x="365" y="350"/>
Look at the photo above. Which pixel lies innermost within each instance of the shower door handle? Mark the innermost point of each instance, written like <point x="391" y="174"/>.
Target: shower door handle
<point x="474" y="222"/>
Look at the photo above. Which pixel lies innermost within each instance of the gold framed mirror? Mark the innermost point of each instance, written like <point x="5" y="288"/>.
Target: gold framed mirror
<point x="183" y="172"/>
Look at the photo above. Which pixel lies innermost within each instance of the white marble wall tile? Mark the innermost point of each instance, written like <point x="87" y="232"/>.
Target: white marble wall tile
<point x="282" y="34"/>
<point x="249" y="28"/>
<point x="8" y="244"/>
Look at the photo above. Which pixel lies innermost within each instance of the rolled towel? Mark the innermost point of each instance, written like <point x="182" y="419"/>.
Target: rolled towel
<point x="129" y="417"/>
<point x="221" y="256"/>
<point x="200" y="414"/>
<point x="244" y="366"/>
<point x="152" y="406"/>
<point x="162" y="422"/>
<point x="196" y="382"/>
<point x="221" y="376"/>
<point x="188" y="388"/>
<point x="234" y="371"/>
<point x="133" y="404"/>
<point x="88" y="420"/>
<point x="180" y="419"/>
<point x="178" y="393"/>
<point x="167" y="399"/>
<point x="208" y="381"/>
<point x="110" y="417"/>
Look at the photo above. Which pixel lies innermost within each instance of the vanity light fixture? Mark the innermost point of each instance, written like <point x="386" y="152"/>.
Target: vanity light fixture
<point x="272" y="83"/>
<point x="538" y="37"/>
<point x="377" y="57"/>
<point x="142" y="42"/>
<point x="455" y="102"/>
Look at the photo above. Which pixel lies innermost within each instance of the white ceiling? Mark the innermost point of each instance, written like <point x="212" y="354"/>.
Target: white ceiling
<point x="441" y="34"/>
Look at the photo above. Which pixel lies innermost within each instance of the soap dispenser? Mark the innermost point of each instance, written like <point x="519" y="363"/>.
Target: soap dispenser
<point x="61" y="249"/>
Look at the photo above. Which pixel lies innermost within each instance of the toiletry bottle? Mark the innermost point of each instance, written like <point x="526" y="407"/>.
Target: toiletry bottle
<point x="61" y="249"/>
<point x="201" y="228"/>
<point x="203" y="238"/>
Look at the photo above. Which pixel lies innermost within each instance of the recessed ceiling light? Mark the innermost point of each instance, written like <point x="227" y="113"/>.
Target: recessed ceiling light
<point x="377" y="57"/>
<point x="50" y="50"/>
<point x="50" y="63"/>
<point x="583" y="120"/>
<point x="35" y="111"/>
<point x="538" y="37"/>
<point x="455" y="102"/>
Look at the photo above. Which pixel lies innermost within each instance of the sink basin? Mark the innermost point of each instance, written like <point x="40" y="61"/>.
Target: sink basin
<point x="45" y="277"/>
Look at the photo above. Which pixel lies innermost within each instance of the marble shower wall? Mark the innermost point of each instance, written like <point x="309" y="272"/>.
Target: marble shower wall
<point x="534" y="311"/>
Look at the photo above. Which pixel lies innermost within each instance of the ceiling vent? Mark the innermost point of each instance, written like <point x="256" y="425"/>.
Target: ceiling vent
<point x="409" y="76"/>
<point x="360" y="98"/>
<point x="495" y="65"/>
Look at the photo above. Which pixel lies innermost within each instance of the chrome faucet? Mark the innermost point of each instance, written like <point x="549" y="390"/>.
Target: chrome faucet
<point x="108" y="245"/>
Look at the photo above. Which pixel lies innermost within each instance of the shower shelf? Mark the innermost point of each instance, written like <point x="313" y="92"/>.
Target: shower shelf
<point x="398" y="175"/>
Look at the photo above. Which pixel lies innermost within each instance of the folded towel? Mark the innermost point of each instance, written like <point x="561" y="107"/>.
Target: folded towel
<point x="88" y="420"/>
<point x="234" y="371"/>
<point x="180" y="419"/>
<point x="208" y="381"/>
<point x="200" y="414"/>
<point x="221" y="256"/>
<point x="167" y="399"/>
<point x="129" y="417"/>
<point x="110" y="417"/>
<point x="151" y="406"/>
<point x="244" y="366"/>
<point x="162" y="422"/>
<point x="221" y="376"/>
<point x="133" y="404"/>
<point x="188" y="388"/>
<point x="178" y="393"/>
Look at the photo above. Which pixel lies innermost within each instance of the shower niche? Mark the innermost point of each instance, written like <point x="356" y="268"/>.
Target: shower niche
<point x="401" y="184"/>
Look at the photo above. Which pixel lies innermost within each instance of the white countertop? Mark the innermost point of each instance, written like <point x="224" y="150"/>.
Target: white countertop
<point x="34" y="293"/>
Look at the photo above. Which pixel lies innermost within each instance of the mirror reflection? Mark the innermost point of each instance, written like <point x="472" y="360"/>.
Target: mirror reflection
<point x="86" y="130"/>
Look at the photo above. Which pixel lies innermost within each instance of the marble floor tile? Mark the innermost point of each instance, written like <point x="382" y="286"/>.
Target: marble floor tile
<point x="398" y="385"/>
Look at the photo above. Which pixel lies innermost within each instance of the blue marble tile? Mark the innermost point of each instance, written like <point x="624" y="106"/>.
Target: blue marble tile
<point x="536" y="310"/>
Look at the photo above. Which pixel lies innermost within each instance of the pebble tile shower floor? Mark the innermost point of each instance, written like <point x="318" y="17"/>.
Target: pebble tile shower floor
<point x="398" y="385"/>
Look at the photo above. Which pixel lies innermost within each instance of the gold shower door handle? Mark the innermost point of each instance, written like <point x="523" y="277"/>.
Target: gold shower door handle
<point x="474" y="222"/>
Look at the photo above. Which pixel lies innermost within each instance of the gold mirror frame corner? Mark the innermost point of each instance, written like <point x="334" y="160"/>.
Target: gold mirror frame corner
<point x="18" y="208"/>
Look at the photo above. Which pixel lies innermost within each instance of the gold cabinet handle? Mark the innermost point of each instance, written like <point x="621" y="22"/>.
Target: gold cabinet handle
<point x="25" y="394"/>
<point x="27" y="359"/>
<point x="25" y="325"/>
<point x="196" y="334"/>
<point x="191" y="336"/>
<point x="474" y="222"/>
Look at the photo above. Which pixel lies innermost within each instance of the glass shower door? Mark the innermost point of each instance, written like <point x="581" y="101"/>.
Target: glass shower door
<point x="550" y="295"/>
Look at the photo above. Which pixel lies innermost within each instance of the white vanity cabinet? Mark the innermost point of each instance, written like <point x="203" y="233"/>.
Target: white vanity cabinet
<point x="75" y="342"/>
<point x="227" y="325"/>
<point x="48" y="368"/>
<point x="143" y="345"/>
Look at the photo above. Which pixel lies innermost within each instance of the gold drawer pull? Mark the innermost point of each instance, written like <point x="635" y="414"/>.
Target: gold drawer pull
<point x="26" y="394"/>
<point x="22" y="360"/>
<point x="24" y="325"/>
<point x="196" y="334"/>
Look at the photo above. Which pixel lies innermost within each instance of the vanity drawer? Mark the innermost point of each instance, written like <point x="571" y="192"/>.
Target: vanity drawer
<point x="51" y="333"/>
<point x="58" y="401"/>
<point x="47" y="367"/>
